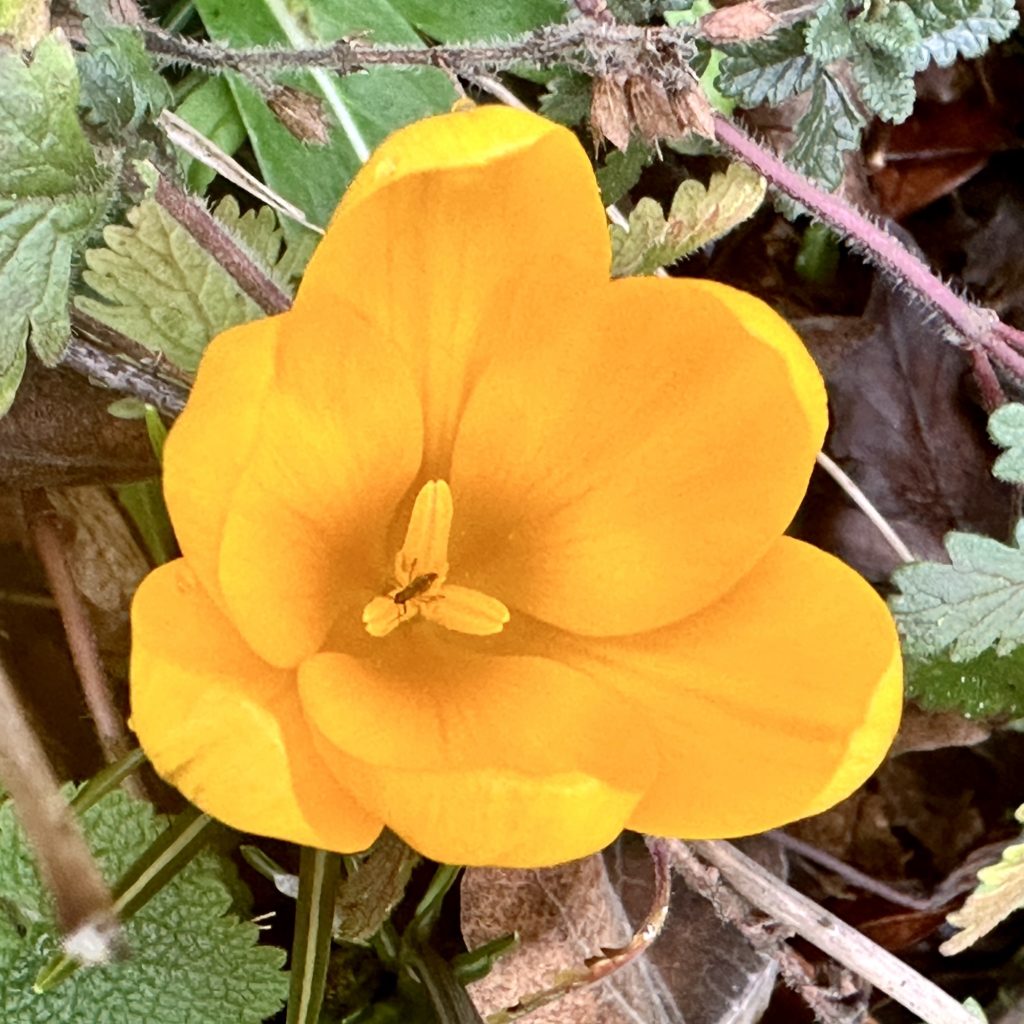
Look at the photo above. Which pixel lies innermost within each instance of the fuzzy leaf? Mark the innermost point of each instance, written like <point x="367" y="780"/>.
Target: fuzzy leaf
<point x="975" y="603"/>
<point x="185" y="932"/>
<point x="767" y="71"/>
<point x="160" y="287"/>
<point x="895" y="32"/>
<point x="829" y="34"/>
<point x="567" y="99"/>
<point x="999" y="893"/>
<point x="120" y="87"/>
<point x="965" y="28"/>
<point x="621" y="170"/>
<point x="698" y="215"/>
<point x="988" y="686"/>
<point x="886" y="84"/>
<point x="831" y="125"/>
<point x="1006" y="428"/>
<point x="53" y="194"/>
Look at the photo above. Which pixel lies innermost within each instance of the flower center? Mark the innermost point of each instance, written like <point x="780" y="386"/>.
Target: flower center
<point x="421" y="572"/>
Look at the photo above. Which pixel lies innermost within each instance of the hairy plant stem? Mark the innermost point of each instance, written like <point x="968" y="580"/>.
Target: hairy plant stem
<point x="974" y="326"/>
<point x="195" y="218"/>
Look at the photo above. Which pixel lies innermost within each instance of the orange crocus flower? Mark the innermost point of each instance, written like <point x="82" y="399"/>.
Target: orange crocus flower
<point x="484" y="547"/>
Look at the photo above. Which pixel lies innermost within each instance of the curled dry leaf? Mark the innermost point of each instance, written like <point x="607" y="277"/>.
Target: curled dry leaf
<point x="698" y="972"/>
<point x="738" y="23"/>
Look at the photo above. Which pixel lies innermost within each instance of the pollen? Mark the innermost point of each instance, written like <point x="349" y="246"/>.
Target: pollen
<point x="421" y="574"/>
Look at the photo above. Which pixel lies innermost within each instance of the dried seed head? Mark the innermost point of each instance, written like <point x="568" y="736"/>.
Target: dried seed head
<point x="300" y="112"/>
<point x="609" y="111"/>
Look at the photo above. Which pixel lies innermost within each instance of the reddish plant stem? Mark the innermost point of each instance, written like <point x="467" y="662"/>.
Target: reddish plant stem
<point x="46" y="529"/>
<point x="195" y="218"/>
<point x="992" y="394"/>
<point x="975" y="325"/>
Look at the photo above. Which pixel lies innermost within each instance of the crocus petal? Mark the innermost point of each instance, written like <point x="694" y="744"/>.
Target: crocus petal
<point x="430" y="703"/>
<point x="492" y="815"/>
<point x="608" y="486"/>
<point x="450" y="240"/>
<point x="225" y="727"/>
<point x="211" y="440"/>
<point x="770" y="705"/>
<point x="339" y="441"/>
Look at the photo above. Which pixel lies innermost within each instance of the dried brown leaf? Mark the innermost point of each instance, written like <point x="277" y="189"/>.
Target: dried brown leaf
<point x="609" y="111"/>
<point x="738" y="23"/>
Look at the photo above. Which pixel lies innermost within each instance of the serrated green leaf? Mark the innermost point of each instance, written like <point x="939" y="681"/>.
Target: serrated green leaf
<point x="567" y="99"/>
<point x="975" y="603"/>
<point x="831" y="125"/>
<point x="1000" y="891"/>
<point x="53" y="194"/>
<point x="621" y="170"/>
<point x="895" y="31"/>
<point x="965" y="28"/>
<point x="697" y="216"/>
<point x="886" y="84"/>
<point x="221" y="975"/>
<point x="362" y="108"/>
<point x="829" y="35"/>
<point x="988" y="686"/>
<point x="120" y="87"/>
<point x="454" y="20"/>
<point x="158" y="286"/>
<point x="767" y="71"/>
<point x="1006" y="428"/>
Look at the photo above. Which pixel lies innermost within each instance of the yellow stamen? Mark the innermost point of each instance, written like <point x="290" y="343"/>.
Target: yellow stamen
<point x="421" y="569"/>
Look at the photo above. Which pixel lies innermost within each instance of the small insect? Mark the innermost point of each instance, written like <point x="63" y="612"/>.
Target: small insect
<point x="414" y="588"/>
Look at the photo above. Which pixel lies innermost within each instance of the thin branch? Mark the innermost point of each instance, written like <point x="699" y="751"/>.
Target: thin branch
<point x="860" y="499"/>
<point x="84" y="907"/>
<point x="118" y="374"/>
<point x="826" y="931"/>
<point x="47" y="531"/>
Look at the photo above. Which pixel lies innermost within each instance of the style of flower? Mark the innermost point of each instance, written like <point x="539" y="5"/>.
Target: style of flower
<point x="486" y="548"/>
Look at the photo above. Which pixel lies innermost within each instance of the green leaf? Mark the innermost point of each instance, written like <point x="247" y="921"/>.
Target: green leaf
<point x="621" y="170"/>
<point x="455" y="20"/>
<point x="895" y="31"/>
<point x="831" y="125"/>
<point x="975" y="603"/>
<point x="53" y="194"/>
<point x="829" y="36"/>
<point x="767" y="71"/>
<point x="319" y="872"/>
<point x="120" y="87"/>
<point x="965" y="28"/>
<point x="158" y="286"/>
<point x="988" y="686"/>
<point x="697" y="216"/>
<point x="886" y="84"/>
<point x="212" y="111"/>
<point x="1000" y="891"/>
<point x="567" y="99"/>
<point x="190" y="959"/>
<point x="1006" y="428"/>
<point x="362" y="108"/>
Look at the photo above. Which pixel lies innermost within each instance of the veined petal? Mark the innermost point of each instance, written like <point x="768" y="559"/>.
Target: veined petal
<point x="338" y="445"/>
<point x="226" y="728"/>
<point x="451" y="241"/>
<point x="210" y="442"/>
<point x="773" y="704"/>
<point x="490" y="816"/>
<point x="430" y="703"/>
<point x="610" y="487"/>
